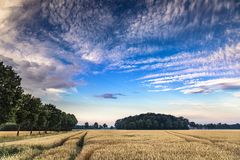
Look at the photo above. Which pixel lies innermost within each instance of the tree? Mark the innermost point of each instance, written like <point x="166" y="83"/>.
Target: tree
<point x="34" y="105"/>
<point x="168" y="123"/>
<point x="68" y="121"/>
<point x="46" y="108"/>
<point x="21" y="118"/>
<point x="54" y="118"/>
<point x="23" y="112"/>
<point x="132" y="125"/>
<point x="31" y="106"/>
<point x="42" y="119"/>
<point x="72" y="121"/>
<point x="155" y="124"/>
<point x="86" y="125"/>
<point x="148" y="124"/>
<point x="64" y="121"/>
<point x="95" y="125"/>
<point x="140" y="124"/>
<point x="105" y="125"/>
<point x="10" y="93"/>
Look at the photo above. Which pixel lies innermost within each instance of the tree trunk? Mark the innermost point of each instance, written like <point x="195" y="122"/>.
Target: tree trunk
<point x="18" y="130"/>
<point x="45" y="130"/>
<point x="39" y="131"/>
<point x="46" y="127"/>
<point x="31" y="130"/>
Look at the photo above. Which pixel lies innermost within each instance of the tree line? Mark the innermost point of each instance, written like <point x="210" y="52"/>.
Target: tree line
<point x="153" y="121"/>
<point x="94" y="126"/>
<point x="193" y="125"/>
<point x="26" y="111"/>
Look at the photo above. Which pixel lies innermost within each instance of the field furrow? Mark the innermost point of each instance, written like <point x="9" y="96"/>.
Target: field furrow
<point x="233" y="147"/>
<point x="30" y="148"/>
<point x="68" y="150"/>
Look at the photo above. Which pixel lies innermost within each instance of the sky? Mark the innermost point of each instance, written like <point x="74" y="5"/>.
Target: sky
<point x="106" y="59"/>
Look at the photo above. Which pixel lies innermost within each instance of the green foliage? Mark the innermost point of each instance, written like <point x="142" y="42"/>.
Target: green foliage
<point x="95" y="125"/>
<point x="152" y="121"/>
<point x="55" y="118"/>
<point x="42" y="118"/>
<point x="10" y="93"/>
<point x="105" y="125"/>
<point x="86" y="125"/>
<point x="8" y="127"/>
<point x="26" y="110"/>
<point x="68" y="121"/>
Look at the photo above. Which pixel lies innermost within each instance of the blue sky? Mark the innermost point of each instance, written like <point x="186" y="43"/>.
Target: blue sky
<point x="103" y="60"/>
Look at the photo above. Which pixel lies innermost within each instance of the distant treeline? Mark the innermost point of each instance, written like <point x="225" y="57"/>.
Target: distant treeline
<point x="94" y="126"/>
<point x="192" y="125"/>
<point x="26" y="111"/>
<point x="151" y="121"/>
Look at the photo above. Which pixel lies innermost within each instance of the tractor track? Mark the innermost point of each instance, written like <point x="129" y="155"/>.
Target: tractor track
<point x="190" y="138"/>
<point x="41" y="149"/>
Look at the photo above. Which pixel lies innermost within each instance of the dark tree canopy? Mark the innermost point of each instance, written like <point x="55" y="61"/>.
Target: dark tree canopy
<point x="152" y="121"/>
<point x="86" y="125"/>
<point x="27" y="111"/>
<point x="10" y="92"/>
<point x="95" y="125"/>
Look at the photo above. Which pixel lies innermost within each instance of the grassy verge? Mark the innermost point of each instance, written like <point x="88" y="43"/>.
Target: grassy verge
<point x="7" y="136"/>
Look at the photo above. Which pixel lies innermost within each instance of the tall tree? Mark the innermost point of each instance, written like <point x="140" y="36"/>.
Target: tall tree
<point x="86" y="125"/>
<point x="47" y="109"/>
<point x="10" y="93"/>
<point x="31" y="106"/>
<point x="95" y="125"/>
<point x="64" y="121"/>
<point x="42" y="119"/>
<point x="54" y="118"/>
<point x="105" y="125"/>
<point x="21" y="115"/>
<point x="71" y="121"/>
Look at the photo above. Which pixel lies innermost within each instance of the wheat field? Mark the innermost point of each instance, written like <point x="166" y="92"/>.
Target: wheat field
<point x="129" y="145"/>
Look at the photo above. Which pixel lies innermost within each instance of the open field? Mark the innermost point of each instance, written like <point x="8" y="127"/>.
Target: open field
<point x="31" y="148"/>
<point x="130" y="145"/>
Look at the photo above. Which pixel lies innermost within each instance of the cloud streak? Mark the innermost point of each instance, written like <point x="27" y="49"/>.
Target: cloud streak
<point x="110" y="95"/>
<point x="202" y="72"/>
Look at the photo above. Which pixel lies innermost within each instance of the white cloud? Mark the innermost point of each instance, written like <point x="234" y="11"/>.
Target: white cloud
<point x="36" y="61"/>
<point x="208" y="69"/>
<point x="54" y="90"/>
<point x="164" y="19"/>
<point x="237" y="94"/>
<point x="193" y="90"/>
<point x="212" y="85"/>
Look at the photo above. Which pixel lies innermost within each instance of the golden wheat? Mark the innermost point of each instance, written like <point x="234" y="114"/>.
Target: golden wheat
<point x="131" y="145"/>
<point x="7" y="136"/>
<point x="32" y="147"/>
<point x="13" y="133"/>
<point x="68" y="150"/>
<point x="157" y="145"/>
